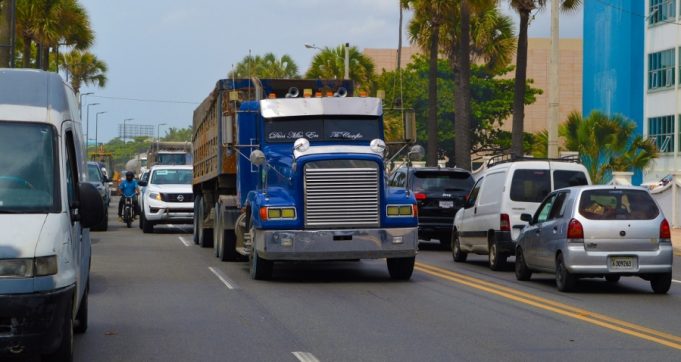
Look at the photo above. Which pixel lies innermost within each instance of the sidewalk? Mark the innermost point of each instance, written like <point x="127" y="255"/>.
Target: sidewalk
<point x="676" y="240"/>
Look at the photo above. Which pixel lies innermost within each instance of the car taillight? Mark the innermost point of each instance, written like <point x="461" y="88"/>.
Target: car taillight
<point x="575" y="230"/>
<point x="504" y="222"/>
<point x="420" y="195"/>
<point x="665" y="232"/>
<point x="415" y="210"/>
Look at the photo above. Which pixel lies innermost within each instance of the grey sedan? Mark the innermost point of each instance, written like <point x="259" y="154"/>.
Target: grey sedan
<point x="597" y="231"/>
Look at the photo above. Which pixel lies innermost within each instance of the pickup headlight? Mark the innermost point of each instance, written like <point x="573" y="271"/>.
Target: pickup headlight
<point x="155" y="196"/>
<point x="278" y="213"/>
<point x="401" y="210"/>
<point x="29" y="267"/>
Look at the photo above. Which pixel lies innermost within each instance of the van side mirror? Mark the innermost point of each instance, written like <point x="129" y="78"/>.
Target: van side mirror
<point x="91" y="209"/>
<point x="527" y="218"/>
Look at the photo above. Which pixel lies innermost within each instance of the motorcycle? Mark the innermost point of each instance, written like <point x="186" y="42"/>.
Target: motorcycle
<point x="128" y="211"/>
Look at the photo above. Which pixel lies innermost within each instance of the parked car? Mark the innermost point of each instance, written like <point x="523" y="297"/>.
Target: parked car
<point x="439" y="193"/>
<point x="489" y="223"/>
<point x="46" y="208"/>
<point x="168" y="197"/>
<point x="101" y="183"/>
<point x="597" y="231"/>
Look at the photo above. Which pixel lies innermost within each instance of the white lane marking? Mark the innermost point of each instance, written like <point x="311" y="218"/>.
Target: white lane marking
<point x="185" y="242"/>
<point x="228" y="283"/>
<point x="305" y="357"/>
<point x="676" y="281"/>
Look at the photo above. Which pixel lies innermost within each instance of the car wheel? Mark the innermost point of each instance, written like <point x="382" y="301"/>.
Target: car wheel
<point x="65" y="350"/>
<point x="260" y="269"/>
<point x="564" y="280"/>
<point x="82" y="315"/>
<point x="495" y="258"/>
<point x="401" y="268"/>
<point x="142" y="221"/>
<point x="522" y="272"/>
<point x="458" y="255"/>
<point x="661" y="283"/>
<point x="612" y="278"/>
<point x="148" y="226"/>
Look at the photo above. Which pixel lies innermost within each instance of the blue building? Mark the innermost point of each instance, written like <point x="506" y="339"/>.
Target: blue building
<point x="614" y="60"/>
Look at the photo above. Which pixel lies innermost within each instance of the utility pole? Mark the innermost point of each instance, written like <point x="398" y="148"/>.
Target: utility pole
<point x="346" y="73"/>
<point x="554" y="96"/>
<point x="7" y="25"/>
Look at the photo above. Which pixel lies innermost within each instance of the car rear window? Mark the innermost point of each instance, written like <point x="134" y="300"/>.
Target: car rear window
<point x="530" y="185"/>
<point x="614" y="204"/>
<point x="442" y="181"/>
<point x="563" y="178"/>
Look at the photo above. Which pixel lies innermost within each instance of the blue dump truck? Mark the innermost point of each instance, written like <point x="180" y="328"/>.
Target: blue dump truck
<point x="294" y="170"/>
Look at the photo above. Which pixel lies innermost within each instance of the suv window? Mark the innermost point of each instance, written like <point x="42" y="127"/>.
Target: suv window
<point x="614" y="204"/>
<point x="564" y="178"/>
<point x="442" y="181"/>
<point x="530" y="185"/>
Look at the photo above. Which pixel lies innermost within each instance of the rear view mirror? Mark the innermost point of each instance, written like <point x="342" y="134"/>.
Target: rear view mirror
<point x="526" y="217"/>
<point x="91" y="209"/>
<point x="409" y="124"/>
<point x="416" y="153"/>
<point x="257" y="157"/>
<point x="142" y="183"/>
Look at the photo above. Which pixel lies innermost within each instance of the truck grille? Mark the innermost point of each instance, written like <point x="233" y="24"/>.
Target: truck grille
<point x="341" y="193"/>
<point x="177" y="197"/>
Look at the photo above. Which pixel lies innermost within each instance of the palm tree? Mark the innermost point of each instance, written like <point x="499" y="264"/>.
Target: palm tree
<point x="84" y="68"/>
<point x="266" y="66"/>
<point x="524" y="9"/>
<point x="424" y="30"/>
<point x="329" y="63"/>
<point x="606" y="144"/>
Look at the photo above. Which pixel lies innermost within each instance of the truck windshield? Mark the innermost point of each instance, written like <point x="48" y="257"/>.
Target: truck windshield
<point x="27" y="168"/>
<point x="171" y="177"/>
<point x="172" y="159"/>
<point x="282" y="130"/>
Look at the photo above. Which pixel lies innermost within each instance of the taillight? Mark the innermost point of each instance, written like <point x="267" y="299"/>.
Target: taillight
<point x="665" y="232"/>
<point x="420" y="195"/>
<point x="504" y="223"/>
<point x="575" y="230"/>
<point x="415" y="210"/>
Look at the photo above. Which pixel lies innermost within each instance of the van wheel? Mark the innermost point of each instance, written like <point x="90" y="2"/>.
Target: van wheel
<point x="81" y="317"/>
<point x="661" y="283"/>
<point x="401" y="268"/>
<point x="564" y="280"/>
<point x="497" y="260"/>
<point x="612" y="278"/>
<point x="458" y="255"/>
<point x="522" y="272"/>
<point x="65" y="350"/>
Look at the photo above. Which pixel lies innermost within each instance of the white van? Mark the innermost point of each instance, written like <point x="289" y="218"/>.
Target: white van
<point x="489" y="223"/>
<point x="45" y="208"/>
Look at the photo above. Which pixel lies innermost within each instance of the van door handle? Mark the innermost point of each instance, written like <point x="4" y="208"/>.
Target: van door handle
<point x="555" y="229"/>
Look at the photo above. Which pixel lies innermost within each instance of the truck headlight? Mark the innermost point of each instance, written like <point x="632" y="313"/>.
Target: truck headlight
<point x="28" y="267"/>
<point x="277" y="213"/>
<point x="155" y="196"/>
<point x="401" y="210"/>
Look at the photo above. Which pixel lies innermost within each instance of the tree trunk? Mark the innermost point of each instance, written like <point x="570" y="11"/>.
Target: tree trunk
<point x="462" y="122"/>
<point x="27" y="51"/>
<point x="5" y="32"/>
<point x="520" y="80"/>
<point x="45" y="55"/>
<point x="431" y="159"/>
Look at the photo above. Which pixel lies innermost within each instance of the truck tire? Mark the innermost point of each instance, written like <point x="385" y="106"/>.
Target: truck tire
<point x="65" y="350"/>
<point x="147" y="227"/>
<point x="205" y="234"/>
<point x="82" y="316"/>
<point x="228" y="246"/>
<point x="195" y="219"/>
<point x="401" y="268"/>
<point x="260" y="269"/>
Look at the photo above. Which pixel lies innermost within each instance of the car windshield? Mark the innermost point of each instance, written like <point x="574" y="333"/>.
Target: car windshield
<point x="27" y="168"/>
<point x="326" y="129"/>
<point x="172" y="159"/>
<point x="442" y="181"/>
<point x="171" y="177"/>
<point x="614" y="204"/>
<point x="93" y="173"/>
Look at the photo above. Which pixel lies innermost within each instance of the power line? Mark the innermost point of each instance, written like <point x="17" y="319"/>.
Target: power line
<point x="146" y="100"/>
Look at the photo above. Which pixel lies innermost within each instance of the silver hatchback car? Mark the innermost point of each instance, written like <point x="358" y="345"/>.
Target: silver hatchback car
<point x="597" y="231"/>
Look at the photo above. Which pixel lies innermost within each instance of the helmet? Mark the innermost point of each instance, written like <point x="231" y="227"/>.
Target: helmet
<point x="129" y="175"/>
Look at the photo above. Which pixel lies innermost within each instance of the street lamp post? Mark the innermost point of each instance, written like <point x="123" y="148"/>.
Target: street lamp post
<point x="346" y="60"/>
<point x="124" y="129"/>
<point x="97" y="128"/>
<point x="158" y="131"/>
<point x="87" y="124"/>
<point x="80" y="103"/>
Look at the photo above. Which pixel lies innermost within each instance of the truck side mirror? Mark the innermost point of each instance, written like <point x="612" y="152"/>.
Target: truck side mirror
<point x="409" y="124"/>
<point x="91" y="206"/>
<point x="257" y="157"/>
<point x="416" y="153"/>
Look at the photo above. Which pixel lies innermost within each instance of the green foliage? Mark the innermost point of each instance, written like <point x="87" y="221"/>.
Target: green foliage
<point x="84" y="68"/>
<point x="178" y="134"/>
<point x="492" y="102"/>
<point x="266" y="66"/>
<point x="606" y="144"/>
<point x="329" y="63"/>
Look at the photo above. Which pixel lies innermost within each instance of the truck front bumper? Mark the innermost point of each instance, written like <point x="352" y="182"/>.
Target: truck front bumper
<point x="336" y="244"/>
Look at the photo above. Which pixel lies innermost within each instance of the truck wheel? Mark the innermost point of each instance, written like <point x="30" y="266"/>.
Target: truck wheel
<point x="564" y="280"/>
<point x="228" y="246"/>
<point x="522" y="272"/>
<point x="196" y="219"/>
<point x="497" y="260"/>
<point x="148" y="226"/>
<point x="205" y="234"/>
<point x="401" y="268"/>
<point x="217" y="235"/>
<point x="458" y="255"/>
<point x="661" y="283"/>
<point x="65" y="350"/>
<point x="81" y="317"/>
<point x="261" y="269"/>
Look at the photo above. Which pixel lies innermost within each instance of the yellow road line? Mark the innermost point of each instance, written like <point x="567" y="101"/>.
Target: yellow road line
<point x="604" y="321"/>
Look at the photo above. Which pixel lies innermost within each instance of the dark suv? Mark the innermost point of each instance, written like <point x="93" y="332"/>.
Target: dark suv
<point x="440" y="193"/>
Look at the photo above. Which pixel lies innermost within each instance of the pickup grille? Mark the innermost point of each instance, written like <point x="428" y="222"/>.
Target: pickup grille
<point x="337" y="196"/>
<point x="177" y="197"/>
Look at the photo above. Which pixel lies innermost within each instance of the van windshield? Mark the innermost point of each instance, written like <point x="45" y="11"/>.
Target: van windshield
<point x="27" y="168"/>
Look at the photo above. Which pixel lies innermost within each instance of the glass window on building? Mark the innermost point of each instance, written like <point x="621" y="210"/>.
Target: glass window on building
<point x="661" y="129"/>
<point x="661" y="11"/>
<point x="661" y="69"/>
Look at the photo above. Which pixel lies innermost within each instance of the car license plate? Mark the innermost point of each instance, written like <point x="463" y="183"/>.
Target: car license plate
<point x="623" y="263"/>
<point x="446" y="204"/>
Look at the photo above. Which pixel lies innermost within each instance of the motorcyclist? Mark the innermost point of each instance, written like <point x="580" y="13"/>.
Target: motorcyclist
<point x="129" y="188"/>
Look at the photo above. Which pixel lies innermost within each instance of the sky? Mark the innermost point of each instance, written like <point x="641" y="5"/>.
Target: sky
<point x="175" y="51"/>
